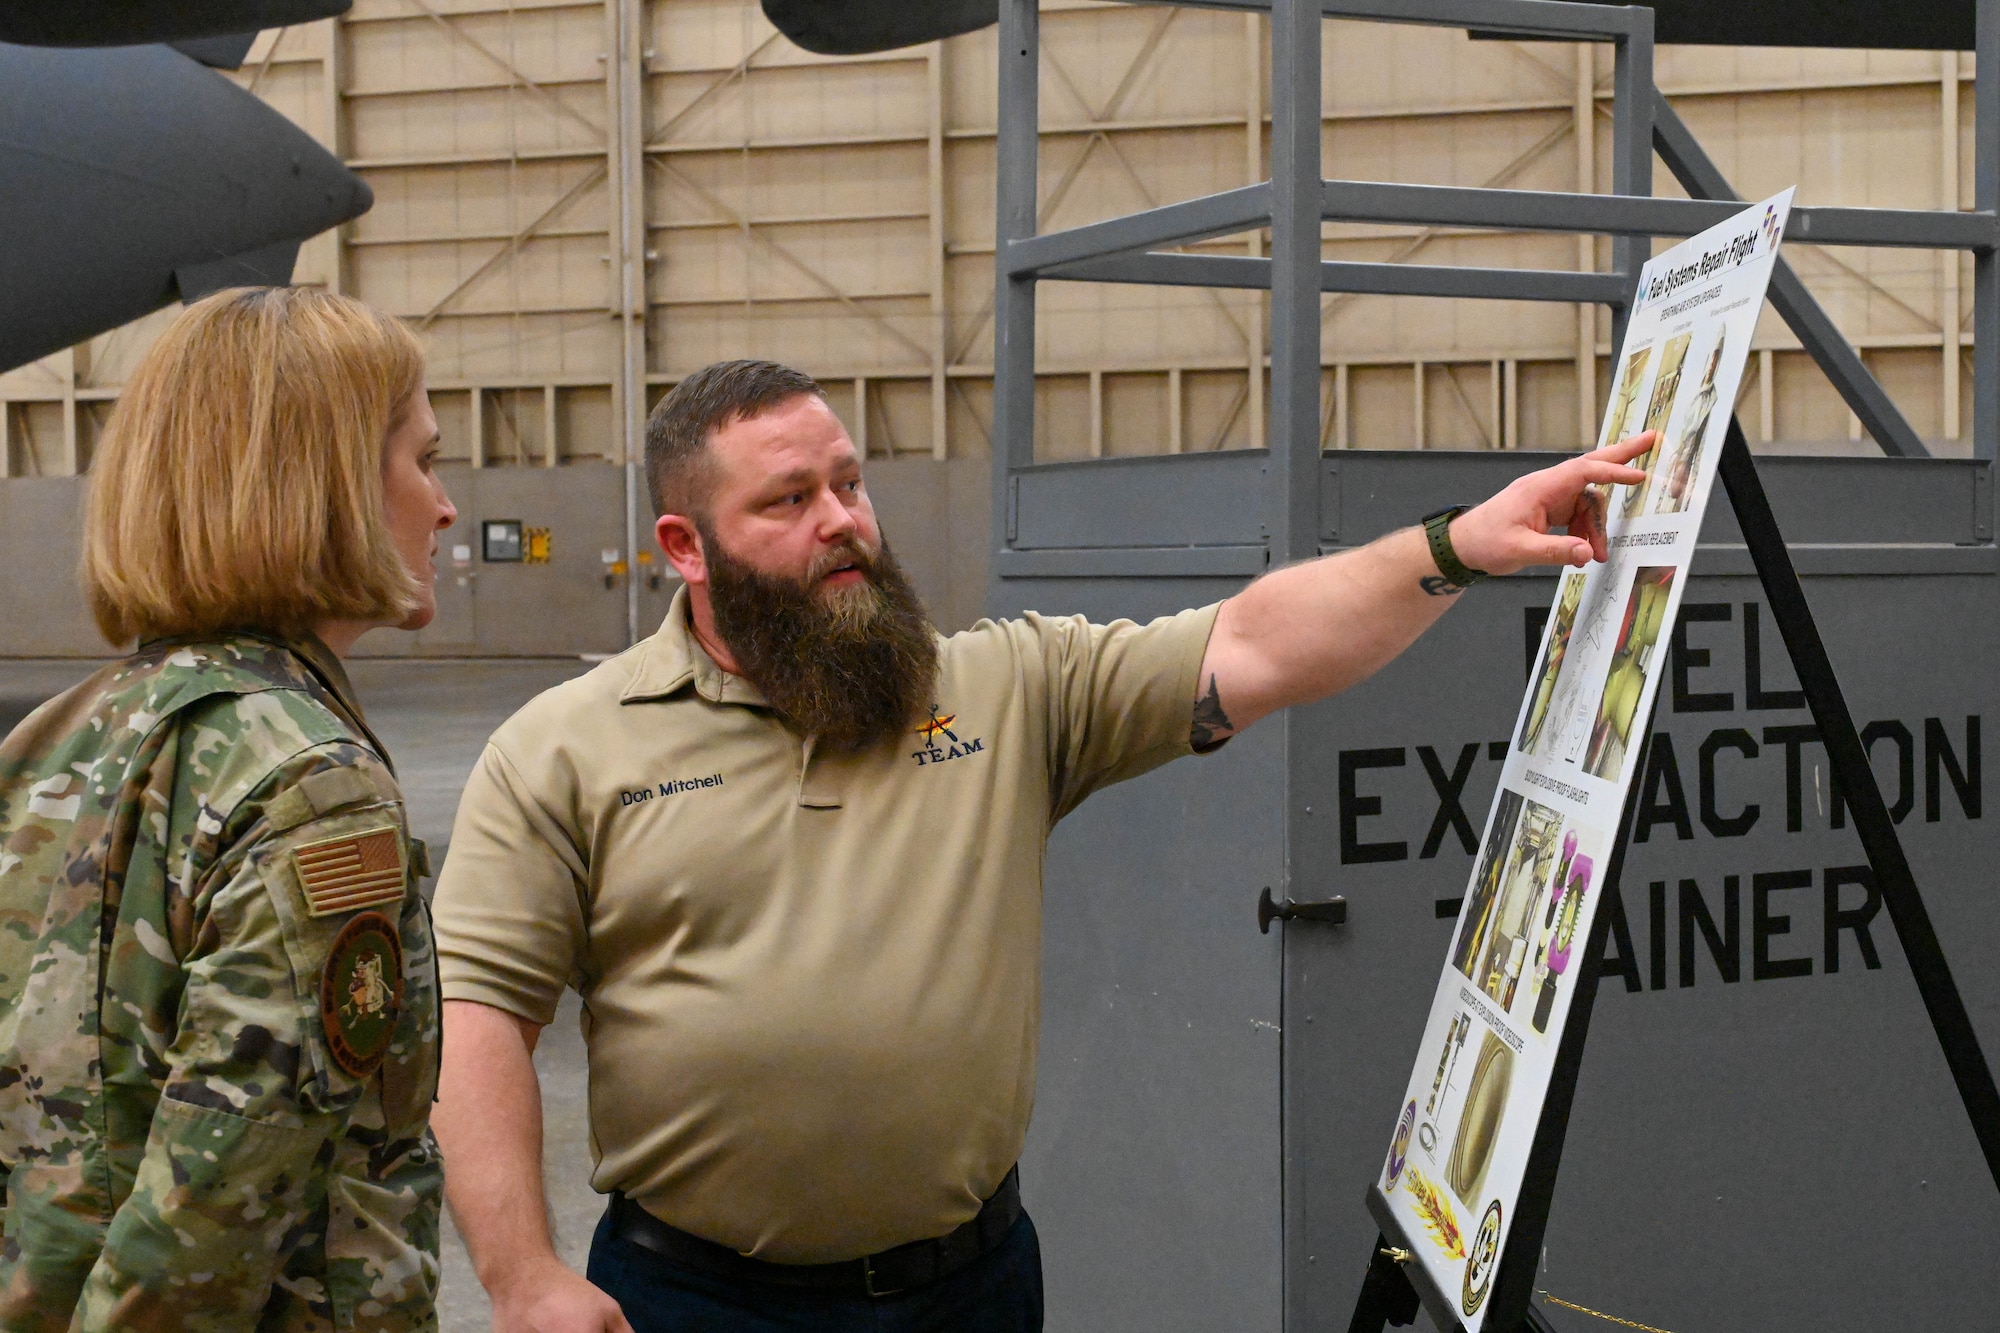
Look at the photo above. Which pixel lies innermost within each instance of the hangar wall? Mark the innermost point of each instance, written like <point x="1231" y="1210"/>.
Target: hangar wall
<point x="837" y="213"/>
<point x="571" y="605"/>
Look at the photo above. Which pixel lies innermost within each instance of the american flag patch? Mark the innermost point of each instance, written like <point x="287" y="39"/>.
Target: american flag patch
<point x="348" y="873"/>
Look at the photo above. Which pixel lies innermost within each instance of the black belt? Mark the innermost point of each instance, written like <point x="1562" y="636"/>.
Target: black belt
<point x="914" y="1265"/>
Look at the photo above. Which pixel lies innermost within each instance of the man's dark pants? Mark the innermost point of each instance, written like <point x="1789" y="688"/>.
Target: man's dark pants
<point x="1001" y="1292"/>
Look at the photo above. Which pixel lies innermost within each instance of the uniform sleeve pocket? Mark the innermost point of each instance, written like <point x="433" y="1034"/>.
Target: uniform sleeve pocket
<point x="218" y="1203"/>
<point x="382" y="1243"/>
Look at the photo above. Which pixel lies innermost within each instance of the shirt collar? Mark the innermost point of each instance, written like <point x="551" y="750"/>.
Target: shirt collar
<point x="673" y="659"/>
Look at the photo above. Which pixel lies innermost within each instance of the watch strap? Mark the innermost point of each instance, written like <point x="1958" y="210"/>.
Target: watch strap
<point x="1437" y="529"/>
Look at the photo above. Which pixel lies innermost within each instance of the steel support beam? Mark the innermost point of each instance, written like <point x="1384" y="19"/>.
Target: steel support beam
<point x="1498" y="18"/>
<point x="1292" y="427"/>
<point x="1850" y="376"/>
<point x="1294" y="203"/>
<point x="1194" y="220"/>
<point x="1631" y="217"/>
<point x="626" y="160"/>
<point x="1637" y="216"/>
<point x="1631" y="163"/>
<point x="1016" y="162"/>
<point x="1986" y="264"/>
<point x="1496" y="284"/>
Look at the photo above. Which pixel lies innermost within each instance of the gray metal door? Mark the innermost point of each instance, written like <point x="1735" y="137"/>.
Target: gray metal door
<point x="1765" y="1135"/>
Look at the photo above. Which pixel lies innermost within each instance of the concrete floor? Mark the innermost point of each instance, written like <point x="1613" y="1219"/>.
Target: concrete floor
<point x="435" y="716"/>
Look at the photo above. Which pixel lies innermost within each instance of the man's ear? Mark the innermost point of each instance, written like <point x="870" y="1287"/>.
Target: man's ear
<point x="681" y="544"/>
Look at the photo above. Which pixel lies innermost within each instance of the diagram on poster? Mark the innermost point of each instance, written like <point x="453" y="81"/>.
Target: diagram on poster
<point x="1474" y="1100"/>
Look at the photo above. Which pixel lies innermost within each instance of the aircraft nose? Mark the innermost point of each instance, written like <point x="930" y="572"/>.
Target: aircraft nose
<point x="136" y="175"/>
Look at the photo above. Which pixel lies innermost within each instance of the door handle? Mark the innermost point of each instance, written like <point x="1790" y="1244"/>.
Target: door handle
<point x="1333" y="911"/>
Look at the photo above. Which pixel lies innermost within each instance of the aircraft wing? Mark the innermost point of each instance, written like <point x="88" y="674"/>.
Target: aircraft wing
<point x="141" y="22"/>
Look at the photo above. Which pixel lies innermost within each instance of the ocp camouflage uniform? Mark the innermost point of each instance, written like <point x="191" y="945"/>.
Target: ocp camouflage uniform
<point x="205" y="879"/>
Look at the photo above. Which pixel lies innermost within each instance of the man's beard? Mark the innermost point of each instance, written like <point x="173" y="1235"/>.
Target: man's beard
<point x="851" y="665"/>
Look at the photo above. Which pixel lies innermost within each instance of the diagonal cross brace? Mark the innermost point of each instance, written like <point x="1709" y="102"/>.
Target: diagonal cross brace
<point x="1956" y="1034"/>
<point x="1880" y="417"/>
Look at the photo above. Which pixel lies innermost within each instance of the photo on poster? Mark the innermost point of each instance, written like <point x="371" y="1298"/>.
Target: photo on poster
<point x="1549" y="668"/>
<point x="1485" y="887"/>
<point x="1618" y="421"/>
<point x="1556" y="941"/>
<point x="1479" y="1122"/>
<point x="1636" y="653"/>
<point x="1428" y="1131"/>
<point x="1568" y="725"/>
<point x="1673" y="487"/>
<point x="1659" y="410"/>
<point x="1500" y="917"/>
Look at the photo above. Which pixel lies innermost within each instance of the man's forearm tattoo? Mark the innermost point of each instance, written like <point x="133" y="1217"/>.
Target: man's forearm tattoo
<point x="1211" y="725"/>
<point x="1437" y="585"/>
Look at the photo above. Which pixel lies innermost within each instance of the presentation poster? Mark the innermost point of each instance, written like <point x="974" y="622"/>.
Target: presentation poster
<point x="1469" y="1115"/>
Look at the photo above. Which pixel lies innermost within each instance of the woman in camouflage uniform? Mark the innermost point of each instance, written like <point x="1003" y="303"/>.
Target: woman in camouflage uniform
<point x="218" y="1010"/>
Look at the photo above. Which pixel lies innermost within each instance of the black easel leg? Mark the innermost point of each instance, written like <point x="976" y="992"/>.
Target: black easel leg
<point x="1386" y="1294"/>
<point x="1856" y="782"/>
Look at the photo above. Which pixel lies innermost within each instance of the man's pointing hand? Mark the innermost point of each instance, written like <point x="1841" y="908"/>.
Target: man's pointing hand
<point x="1512" y="530"/>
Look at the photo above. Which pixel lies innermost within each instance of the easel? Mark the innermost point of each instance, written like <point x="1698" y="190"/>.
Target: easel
<point x="1393" y="1288"/>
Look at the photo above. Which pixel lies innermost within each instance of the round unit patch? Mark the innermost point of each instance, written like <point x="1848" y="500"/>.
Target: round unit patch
<point x="361" y="993"/>
<point x="1485" y="1257"/>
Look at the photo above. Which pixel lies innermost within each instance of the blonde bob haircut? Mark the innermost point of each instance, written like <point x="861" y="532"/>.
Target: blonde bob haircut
<point x="239" y="482"/>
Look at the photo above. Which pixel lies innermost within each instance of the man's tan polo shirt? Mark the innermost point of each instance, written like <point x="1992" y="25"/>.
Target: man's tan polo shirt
<point x="811" y="982"/>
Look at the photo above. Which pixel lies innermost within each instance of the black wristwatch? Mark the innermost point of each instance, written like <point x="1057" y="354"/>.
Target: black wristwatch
<point x="1437" y="528"/>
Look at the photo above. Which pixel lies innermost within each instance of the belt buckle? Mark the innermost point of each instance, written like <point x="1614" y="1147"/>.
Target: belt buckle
<point x="868" y="1279"/>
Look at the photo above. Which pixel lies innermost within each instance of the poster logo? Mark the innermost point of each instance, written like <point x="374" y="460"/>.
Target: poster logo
<point x="1485" y="1257"/>
<point x="1440" y="1220"/>
<point x="1399" y="1147"/>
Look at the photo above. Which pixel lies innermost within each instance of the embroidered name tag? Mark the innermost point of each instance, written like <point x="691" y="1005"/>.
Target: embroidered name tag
<point x="350" y="872"/>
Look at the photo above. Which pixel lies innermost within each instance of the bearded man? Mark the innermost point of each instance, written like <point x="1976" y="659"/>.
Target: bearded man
<point x="789" y="850"/>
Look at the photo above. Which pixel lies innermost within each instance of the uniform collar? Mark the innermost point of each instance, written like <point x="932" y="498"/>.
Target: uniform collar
<point x="325" y="664"/>
<point x="673" y="659"/>
<point x="319" y="661"/>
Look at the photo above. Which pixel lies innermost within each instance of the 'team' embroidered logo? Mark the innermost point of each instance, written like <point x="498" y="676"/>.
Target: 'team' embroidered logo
<point x="936" y="750"/>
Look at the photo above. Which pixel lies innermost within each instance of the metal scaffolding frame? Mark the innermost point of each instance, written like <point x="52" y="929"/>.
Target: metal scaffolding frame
<point x="1295" y="200"/>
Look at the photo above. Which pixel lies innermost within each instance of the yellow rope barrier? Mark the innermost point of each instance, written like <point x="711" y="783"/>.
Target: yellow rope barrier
<point x="1599" y="1314"/>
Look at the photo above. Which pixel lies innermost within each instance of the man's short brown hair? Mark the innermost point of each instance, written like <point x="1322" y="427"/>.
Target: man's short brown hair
<point x="677" y="459"/>
<point x="239" y="484"/>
